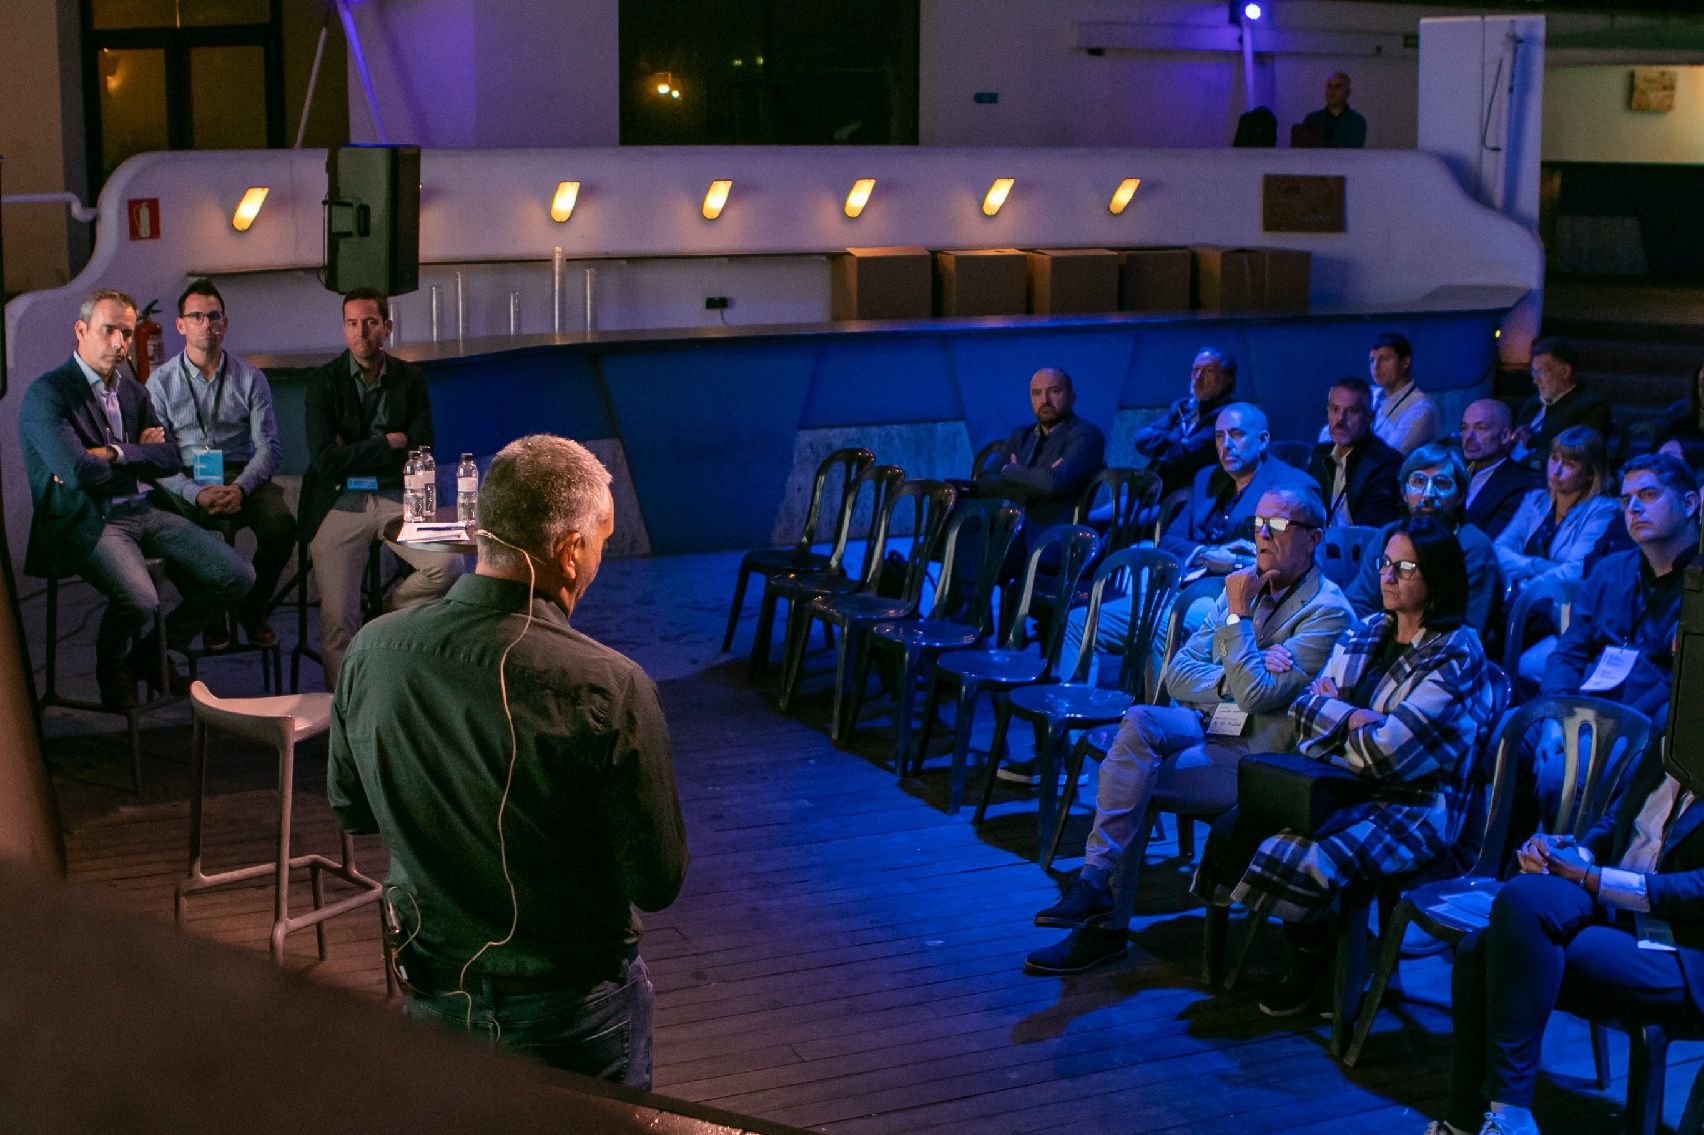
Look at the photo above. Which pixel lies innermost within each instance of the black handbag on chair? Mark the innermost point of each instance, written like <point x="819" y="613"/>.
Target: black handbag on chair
<point x="1279" y="791"/>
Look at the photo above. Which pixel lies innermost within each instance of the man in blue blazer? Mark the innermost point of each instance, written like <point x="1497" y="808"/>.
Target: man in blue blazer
<point x="92" y="447"/>
<point x="1610" y="926"/>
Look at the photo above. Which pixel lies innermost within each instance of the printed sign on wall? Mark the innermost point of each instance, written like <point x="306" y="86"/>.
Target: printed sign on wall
<point x="144" y="218"/>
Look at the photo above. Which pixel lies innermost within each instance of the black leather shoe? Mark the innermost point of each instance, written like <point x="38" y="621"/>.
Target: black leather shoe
<point x="216" y="636"/>
<point x="144" y="660"/>
<point x="259" y="633"/>
<point x="1084" y="901"/>
<point x="1301" y="988"/>
<point x="1080" y="951"/>
<point x="117" y="685"/>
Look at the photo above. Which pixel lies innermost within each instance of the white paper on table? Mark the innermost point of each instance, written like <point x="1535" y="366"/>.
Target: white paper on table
<point x="431" y="532"/>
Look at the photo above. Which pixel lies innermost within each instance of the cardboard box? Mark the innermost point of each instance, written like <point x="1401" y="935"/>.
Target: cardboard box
<point x="1066" y="281"/>
<point x="1155" y="279"/>
<point x="880" y="283"/>
<point x="1286" y="278"/>
<point x="1229" y="279"/>
<point x="982" y="281"/>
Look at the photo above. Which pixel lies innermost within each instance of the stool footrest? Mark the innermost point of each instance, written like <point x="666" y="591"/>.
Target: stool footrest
<point x="202" y="881"/>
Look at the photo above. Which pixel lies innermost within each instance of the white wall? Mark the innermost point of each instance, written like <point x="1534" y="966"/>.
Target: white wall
<point x="492" y="205"/>
<point x="1587" y="118"/>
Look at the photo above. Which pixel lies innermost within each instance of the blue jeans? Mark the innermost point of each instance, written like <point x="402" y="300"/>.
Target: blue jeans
<point x="603" y="1032"/>
<point x="209" y="574"/>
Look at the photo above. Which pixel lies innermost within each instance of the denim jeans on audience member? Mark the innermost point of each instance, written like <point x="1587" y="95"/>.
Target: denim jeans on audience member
<point x="209" y="575"/>
<point x="603" y="1032"/>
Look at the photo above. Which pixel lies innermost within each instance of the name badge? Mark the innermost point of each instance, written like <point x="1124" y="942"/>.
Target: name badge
<point x="361" y="484"/>
<point x="207" y="466"/>
<point x="1613" y="666"/>
<point x="1228" y="720"/>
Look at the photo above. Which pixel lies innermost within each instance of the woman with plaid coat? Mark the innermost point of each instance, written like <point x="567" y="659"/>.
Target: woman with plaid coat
<point x="1402" y="701"/>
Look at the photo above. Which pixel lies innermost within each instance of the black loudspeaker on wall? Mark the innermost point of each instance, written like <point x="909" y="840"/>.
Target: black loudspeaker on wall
<point x="372" y="218"/>
<point x="1683" y="750"/>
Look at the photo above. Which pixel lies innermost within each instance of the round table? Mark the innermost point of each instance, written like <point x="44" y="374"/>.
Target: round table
<point x="449" y="545"/>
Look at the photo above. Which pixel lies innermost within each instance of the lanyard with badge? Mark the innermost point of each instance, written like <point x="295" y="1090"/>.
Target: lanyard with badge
<point x="1228" y="718"/>
<point x="1616" y="663"/>
<point x="207" y="463"/>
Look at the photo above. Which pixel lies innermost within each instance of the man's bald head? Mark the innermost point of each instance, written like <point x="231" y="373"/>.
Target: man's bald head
<point x="1487" y="432"/>
<point x="1051" y="396"/>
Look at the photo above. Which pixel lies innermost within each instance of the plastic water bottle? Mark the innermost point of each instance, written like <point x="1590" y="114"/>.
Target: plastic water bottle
<point x="467" y="491"/>
<point x="428" y="484"/>
<point x="411" y="488"/>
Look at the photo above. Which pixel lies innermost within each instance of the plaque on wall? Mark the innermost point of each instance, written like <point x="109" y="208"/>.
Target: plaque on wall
<point x="1296" y="204"/>
<point x="1653" y="89"/>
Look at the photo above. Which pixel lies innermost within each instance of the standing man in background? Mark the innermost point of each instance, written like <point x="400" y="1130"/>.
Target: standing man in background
<point x="1336" y="125"/>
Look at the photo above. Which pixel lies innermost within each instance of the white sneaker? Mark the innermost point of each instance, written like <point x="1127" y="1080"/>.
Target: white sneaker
<point x="1506" y="1123"/>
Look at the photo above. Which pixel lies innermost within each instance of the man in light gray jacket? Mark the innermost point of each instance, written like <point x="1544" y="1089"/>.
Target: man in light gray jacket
<point x="1262" y="643"/>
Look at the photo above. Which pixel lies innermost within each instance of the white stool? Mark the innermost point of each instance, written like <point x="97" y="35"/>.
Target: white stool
<point x="279" y="721"/>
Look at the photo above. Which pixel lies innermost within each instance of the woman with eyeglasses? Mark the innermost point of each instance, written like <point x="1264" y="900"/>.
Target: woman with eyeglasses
<point x="1402" y="702"/>
<point x="1556" y="526"/>
<point x="1434" y="483"/>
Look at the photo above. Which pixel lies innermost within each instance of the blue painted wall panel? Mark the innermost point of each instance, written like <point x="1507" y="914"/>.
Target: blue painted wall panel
<point x="480" y="405"/>
<point x="994" y="372"/>
<point x="867" y="382"/>
<point x="709" y="434"/>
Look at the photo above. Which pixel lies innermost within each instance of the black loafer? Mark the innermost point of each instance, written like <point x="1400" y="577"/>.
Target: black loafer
<point x="1076" y="907"/>
<point x="1080" y="951"/>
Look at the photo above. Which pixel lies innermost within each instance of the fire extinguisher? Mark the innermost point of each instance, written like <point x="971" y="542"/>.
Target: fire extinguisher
<point x="148" y="345"/>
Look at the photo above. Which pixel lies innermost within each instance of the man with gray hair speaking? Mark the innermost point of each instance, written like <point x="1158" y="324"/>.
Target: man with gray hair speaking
<point x="521" y="776"/>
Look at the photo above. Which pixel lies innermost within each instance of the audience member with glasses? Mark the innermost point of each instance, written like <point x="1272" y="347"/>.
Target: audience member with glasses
<point x="1401" y="702"/>
<point x="1232" y="683"/>
<point x="217" y="410"/>
<point x="1434" y="481"/>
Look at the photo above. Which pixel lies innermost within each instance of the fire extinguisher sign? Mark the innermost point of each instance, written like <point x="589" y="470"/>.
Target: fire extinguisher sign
<point x="144" y="218"/>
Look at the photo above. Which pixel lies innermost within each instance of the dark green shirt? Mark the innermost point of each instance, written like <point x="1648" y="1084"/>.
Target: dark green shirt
<point x="420" y="753"/>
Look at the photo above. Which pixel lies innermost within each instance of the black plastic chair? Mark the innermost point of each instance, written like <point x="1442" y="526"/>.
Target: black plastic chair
<point x="992" y="525"/>
<point x="1295" y="454"/>
<point x="1341" y="549"/>
<point x="879" y="481"/>
<point x="1009" y="663"/>
<point x="1449" y="909"/>
<point x="1560" y="593"/>
<point x="989" y="458"/>
<point x="1130" y="493"/>
<point x="1077" y="704"/>
<point x="855" y="612"/>
<point x="800" y="557"/>
<point x="1096" y="742"/>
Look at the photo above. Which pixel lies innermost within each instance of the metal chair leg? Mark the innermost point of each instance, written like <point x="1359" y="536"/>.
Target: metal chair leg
<point x="734" y="608"/>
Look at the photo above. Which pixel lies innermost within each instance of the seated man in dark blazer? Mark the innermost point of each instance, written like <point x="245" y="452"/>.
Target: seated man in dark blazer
<point x="1560" y="402"/>
<point x="1048" y="461"/>
<point x="1215" y="530"/>
<point x="1571" y="932"/>
<point x="1180" y="444"/>
<point x="1356" y="471"/>
<point x="92" y="447"/>
<point x="1495" y="481"/>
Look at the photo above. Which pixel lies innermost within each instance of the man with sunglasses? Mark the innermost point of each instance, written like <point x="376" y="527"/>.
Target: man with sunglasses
<point x="1233" y="681"/>
<point x="217" y="410"/>
<point x="1434" y="483"/>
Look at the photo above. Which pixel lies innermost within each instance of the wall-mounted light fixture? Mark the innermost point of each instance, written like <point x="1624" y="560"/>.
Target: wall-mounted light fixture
<point x="248" y="208"/>
<point x="859" y="196"/>
<point x="715" y="198"/>
<point x="562" y="204"/>
<point x="1122" y="195"/>
<point x="996" y="196"/>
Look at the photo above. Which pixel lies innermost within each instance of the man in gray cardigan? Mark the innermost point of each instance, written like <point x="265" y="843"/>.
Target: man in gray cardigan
<point x="1262" y="643"/>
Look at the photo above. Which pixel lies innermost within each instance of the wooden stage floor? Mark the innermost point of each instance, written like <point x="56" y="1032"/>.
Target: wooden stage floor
<point x="845" y="956"/>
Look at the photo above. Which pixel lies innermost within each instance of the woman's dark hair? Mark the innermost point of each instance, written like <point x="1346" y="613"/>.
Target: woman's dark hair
<point x="1442" y="566"/>
<point x="1585" y="445"/>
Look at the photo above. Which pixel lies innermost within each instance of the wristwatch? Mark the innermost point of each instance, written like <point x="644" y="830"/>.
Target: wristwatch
<point x="1233" y="619"/>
